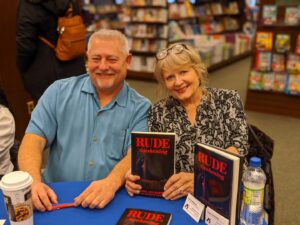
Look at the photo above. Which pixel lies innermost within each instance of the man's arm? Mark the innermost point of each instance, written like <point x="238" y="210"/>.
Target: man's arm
<point x="99" y="193"/>
<point x="30" y="160"/>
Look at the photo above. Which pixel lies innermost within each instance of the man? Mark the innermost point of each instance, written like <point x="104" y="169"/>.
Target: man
<point x="86" y="121"/>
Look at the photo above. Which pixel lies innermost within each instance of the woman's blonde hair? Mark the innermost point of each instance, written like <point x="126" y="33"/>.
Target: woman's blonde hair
<point x="187" y="58"/>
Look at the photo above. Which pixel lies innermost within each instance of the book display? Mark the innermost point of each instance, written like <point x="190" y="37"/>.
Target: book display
<point x="217" y="181"/>
<point x="274" y="84"/>
<point x="214" y="28"/>
<point x="153" y="160"/>
<point x="147" y="32"/>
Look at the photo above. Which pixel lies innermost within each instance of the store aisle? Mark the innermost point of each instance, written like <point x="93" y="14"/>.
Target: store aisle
<point x="284" y="130"/>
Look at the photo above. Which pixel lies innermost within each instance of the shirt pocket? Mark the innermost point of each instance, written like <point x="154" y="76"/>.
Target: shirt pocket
<point x="118" y="144"/>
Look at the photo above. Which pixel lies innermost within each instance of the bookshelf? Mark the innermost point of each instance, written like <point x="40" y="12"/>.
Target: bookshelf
<point x="274" y="84"/>
<point x="214" y="28"/>
<point x="147" y="32"/>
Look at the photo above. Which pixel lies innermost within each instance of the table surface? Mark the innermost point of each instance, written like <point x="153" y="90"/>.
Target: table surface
<point x="67" y="191"/>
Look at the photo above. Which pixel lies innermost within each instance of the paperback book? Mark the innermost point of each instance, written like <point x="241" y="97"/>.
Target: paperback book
<point x="263" y="61"/>
<point x="269" y="14"/>
<point x="291" y="16"/>
<point x="264" y="41"/>
<point x="153" y="160"/>
<point x="283" y="43"/>
<point x="217" y="180"/>
<point x="132" y="216"/>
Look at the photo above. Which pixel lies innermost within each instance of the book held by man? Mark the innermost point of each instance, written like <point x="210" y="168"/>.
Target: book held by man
<point x="132" y="216"/>
<point x="217" y="180"/>
<point x="153" y="160"/>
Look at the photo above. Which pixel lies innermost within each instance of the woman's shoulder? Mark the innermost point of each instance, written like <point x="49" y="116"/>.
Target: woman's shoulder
<point x="222" y="94"/>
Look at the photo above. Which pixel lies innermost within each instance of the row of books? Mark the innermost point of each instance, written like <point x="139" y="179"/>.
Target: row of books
<point x="186" y="10"/>
<point x="274" y="81"/>
<point x="268" y="61"/>
<point x="291" y="16"/>
<point x="217" y="172"/>
<point x="142" y="63"/>
<point x="146" y="45"/>
<point x="282" y="42"/>
<point x="162" y="3"/>
<point x="146" y="31"/>
<point x="149" y="15"/>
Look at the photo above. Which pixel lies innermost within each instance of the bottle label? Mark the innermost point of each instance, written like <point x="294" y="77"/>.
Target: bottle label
<point x="253" y="196"/>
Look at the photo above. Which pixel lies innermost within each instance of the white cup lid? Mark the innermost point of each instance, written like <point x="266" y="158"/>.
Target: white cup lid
<point x="15" y="181"/>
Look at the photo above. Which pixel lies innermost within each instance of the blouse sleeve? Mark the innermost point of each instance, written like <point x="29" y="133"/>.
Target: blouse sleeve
<point x="235" y="123"/>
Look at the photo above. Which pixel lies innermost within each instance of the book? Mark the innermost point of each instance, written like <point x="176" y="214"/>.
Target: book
<point x="263" y="61"/>
<point x="132" y="216"/>
<point x="291" y="16"/>
<point x="282" y="43"/>
<point x="218" y="179"/>
<point x="264" y="41"/>
<point x="152" y="159"/>
<point x="278" y="62"/>
<point x="297" y="49"/>
<point x="269" y="14"/>
<point x="255" y="80"/>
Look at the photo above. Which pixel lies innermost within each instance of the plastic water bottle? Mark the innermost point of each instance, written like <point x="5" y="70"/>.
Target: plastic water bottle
<point x="254" y="180"/>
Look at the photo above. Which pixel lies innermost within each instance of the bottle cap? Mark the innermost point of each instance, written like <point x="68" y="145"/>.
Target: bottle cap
<point x="255" y="161"/>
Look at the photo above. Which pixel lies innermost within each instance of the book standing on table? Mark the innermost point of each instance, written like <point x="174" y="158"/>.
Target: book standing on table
<point x="217" y="181"/>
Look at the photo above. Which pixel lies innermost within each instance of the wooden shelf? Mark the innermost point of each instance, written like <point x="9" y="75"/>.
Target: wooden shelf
<point x="273" y="103"/>
<point x="149" y="76"/>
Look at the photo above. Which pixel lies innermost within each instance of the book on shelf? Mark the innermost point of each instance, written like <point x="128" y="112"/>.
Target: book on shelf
<point x="218" y="179"/>
<point x="263" y="61"/>
<point x="255" y="80"/>
<point x="293" y="63"/>
<point x="291" y="16"/>
<point x="264" y="41"/>
<point x="280" y="82"/>
<point x="133" y="216"/>
<point x="278" y="62"/>
<point x="152" y="160"/>
<point x="293" y="84"/>
<point x="268" y="81"/>
<point x="282" y="43"/>
<point x="269" y="14"/>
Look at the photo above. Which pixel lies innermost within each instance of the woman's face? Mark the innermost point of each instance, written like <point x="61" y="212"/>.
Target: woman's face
<point x="182" y="84"/>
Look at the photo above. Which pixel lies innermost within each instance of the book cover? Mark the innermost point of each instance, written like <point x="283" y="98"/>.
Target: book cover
<point x="264" y="41"/>
<point x="269" y="14"/>
<point x="283" y="43"/>
<point x="217" y="180"/>
<point x="263" y="61"/>
<point x="132" y="216"/>
<point x="293" y="85"/>
<point x="280" y="82"/>
<point x="255" y="80"/>
<point x="278" y="62"/>
<point x="153" y="160"/>
<point x="291" y="16"/>
<point x="297" y="49"/>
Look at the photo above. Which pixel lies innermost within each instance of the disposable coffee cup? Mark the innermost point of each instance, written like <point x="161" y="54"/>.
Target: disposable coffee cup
<point x="16" y="188"/>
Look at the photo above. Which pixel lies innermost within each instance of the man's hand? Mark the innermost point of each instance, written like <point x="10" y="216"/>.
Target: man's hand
<point x="97" y="195"/>
<point x="130" y="185"/>
<point x="179" y="185"/>
<point x="42" y="196"/>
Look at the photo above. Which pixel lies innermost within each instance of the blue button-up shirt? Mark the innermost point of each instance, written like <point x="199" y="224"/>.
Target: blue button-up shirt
<point x="86" y="141"/>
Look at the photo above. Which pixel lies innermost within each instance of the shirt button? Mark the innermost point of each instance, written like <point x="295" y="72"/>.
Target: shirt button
<point x="94" y="139"/>
<point x="91" y="163"/>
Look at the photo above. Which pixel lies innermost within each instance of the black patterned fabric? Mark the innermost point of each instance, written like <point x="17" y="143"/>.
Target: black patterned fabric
<point x="220" y="121"/>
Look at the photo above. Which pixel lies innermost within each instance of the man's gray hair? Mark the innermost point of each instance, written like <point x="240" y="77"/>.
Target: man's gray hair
<point x="108" y="34"/>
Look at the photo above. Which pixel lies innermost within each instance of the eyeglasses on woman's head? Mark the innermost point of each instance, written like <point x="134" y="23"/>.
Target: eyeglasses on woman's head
<point x="176" y="49"/>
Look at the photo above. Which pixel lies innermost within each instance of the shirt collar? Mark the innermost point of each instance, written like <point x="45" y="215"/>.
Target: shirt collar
<point x="121" y="98"/>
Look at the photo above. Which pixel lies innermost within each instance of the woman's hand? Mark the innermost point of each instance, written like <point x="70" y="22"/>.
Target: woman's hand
<point x="130" y="185"/>
<point x="179" y="185"/>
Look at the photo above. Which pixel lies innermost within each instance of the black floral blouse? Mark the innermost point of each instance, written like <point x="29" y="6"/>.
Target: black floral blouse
<point x="220" y="121"/>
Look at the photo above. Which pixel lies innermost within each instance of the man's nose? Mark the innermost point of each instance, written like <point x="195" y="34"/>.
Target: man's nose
<point x="103" y="64"/>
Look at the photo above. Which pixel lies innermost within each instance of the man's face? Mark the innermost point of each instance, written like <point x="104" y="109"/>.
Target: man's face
<point x="107" y="65"/>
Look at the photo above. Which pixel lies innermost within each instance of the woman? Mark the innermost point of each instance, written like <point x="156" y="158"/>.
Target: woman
<point x="7" y="135"/>
<point x="195" y="113"/>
